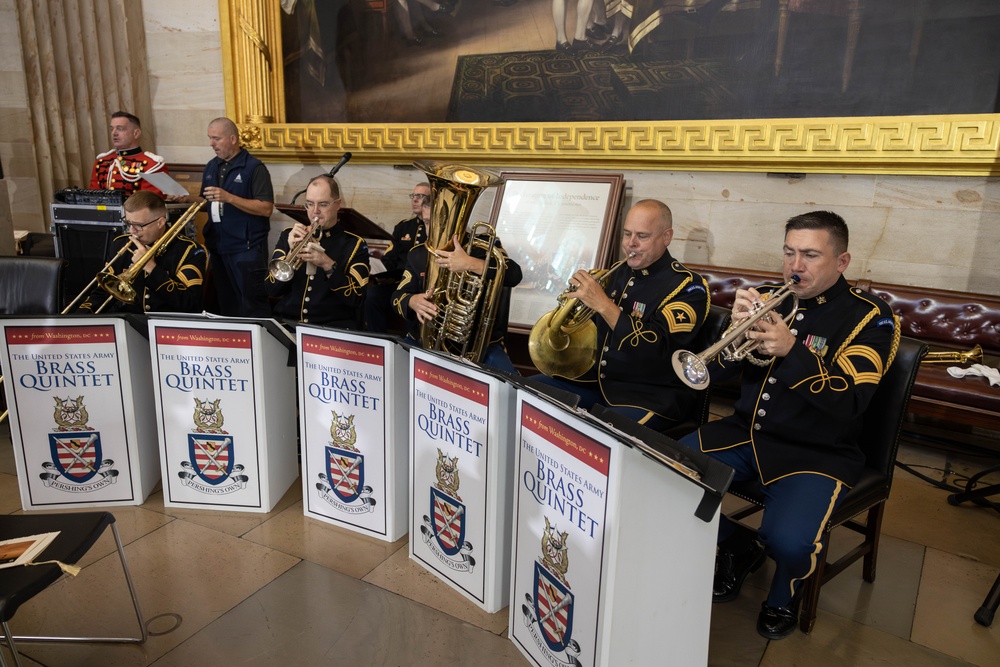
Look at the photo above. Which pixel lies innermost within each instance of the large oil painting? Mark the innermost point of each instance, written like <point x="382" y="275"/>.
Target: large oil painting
<point x="848" y="86"/>
<point x="529" y="61"/>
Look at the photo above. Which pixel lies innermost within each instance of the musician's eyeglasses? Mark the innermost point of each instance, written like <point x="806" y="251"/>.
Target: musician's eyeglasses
<point x="139" y="226"/>
<point x="416" y="196"/>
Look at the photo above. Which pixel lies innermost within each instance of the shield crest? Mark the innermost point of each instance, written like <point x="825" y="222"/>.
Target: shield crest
<point x="77" y="455"/>
<point x="212" y="456"/>
<point x="449" y="521"/>
<point x="346" y="471"/>
<point x="553" y="608"/>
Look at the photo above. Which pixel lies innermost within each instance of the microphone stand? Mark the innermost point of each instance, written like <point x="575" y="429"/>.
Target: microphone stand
<point x="347" y="156"/>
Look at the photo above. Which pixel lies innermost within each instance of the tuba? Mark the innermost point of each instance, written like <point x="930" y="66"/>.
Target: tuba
<point x="564" y="340"/>
<point x="466" y="303"/>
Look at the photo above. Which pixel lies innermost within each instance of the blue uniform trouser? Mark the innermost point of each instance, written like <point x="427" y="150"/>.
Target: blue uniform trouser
<point x="591" y="397"/>
<point x="239" y="282"/>
<point x="796" y="508"/>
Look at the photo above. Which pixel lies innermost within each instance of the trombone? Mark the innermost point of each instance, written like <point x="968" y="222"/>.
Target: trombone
<point x="121" y="286"/>
<point x="93" y="283"/>
<point x="284" y="269"/>
<point x="692" y="369"/>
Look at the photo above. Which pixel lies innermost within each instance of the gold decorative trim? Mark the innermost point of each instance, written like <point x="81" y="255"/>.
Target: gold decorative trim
<point x="921" y="145"/>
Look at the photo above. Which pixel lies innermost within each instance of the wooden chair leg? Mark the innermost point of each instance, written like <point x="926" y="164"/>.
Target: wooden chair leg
<point x="811" y="588"/>
<point x="873" y="530"/>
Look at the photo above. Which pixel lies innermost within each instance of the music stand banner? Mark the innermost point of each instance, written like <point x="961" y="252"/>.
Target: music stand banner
<point x="352" y="420"/>
<point x="610" y="564"/>
<point x="460" y="476"/>
<point x="561" y="528"/>
<point x="216" y="383"/>
<point x="79" y="395"/>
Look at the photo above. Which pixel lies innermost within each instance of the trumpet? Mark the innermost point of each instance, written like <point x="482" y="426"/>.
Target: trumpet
<point x="284" y="269"/>
<point x="975" y="355"/>
<point x="564" y="340"/>
<point x="692" y="369"/>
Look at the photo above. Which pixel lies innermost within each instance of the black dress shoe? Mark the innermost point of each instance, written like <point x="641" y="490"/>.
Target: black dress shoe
<point x="731" y="569"/>
<point x="580" y="46"/>
<point x="564" y="47"/>
<point x="777" y="622"/>
<point x="597" y="31"/>
<point x="413" y="41"/>
<point x="430" y="32"/>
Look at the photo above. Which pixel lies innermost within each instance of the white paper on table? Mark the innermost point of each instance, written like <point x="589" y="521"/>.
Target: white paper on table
<point x="376" y="265"/>
<point x="165" y="183"/>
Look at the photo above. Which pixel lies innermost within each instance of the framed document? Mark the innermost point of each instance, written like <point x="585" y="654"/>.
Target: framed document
<point x="552" y="225"/>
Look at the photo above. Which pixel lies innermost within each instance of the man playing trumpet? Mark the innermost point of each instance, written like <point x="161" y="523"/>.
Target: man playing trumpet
<point x="171" y="280"/>
<point x="651" y="306"/>
<point x="328" y="287"/>
<point x="804" y="392"/>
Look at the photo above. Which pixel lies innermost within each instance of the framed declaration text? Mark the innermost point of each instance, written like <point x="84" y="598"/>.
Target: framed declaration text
<point x="553" y="224"/>
<point x="840" y="86"/>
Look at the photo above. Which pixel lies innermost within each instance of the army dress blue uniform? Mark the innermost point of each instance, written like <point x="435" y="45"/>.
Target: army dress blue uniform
<point x="332" y="299"/>
<point x="406" y="234"/>
<point x="663" y="306"/>
<point x="175" y="284"/>
<point x="797" y="422"/>
<point x="495" y="352"/>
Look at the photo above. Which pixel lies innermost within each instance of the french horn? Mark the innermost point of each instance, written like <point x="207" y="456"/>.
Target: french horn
<point x="563" y="341"/>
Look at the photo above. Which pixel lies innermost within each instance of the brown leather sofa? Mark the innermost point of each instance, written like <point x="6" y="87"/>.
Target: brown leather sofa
<point x="945" y="320"/>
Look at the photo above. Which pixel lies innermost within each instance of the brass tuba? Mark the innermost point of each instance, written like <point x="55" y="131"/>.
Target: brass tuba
<point x="466" y="303"/>
<point x="564" y="340"/>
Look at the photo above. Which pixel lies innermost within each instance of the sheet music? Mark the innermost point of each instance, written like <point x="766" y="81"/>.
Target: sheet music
<point x="165" y="183"/>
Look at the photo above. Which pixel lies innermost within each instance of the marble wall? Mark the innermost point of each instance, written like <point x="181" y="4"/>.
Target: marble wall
<point x="16" y="149"/>
<point x="927" y="231"/>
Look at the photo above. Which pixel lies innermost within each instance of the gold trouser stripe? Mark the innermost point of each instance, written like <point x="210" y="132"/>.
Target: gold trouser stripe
<point x="818" y="538"/>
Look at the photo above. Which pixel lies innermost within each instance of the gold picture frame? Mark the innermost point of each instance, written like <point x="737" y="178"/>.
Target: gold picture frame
<point x="954" y="145"/>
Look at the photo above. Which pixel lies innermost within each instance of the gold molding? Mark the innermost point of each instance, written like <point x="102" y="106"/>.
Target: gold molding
<point x="921" y="145"/>
<point x="253" y="70"/>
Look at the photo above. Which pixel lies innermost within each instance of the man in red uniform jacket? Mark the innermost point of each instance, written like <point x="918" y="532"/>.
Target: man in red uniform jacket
<point x="122" y="167"/>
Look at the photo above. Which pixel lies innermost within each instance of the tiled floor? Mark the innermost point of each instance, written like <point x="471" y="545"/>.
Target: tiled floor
<point x="224" y="588"/>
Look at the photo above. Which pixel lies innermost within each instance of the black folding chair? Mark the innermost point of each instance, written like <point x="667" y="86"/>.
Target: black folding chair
<point x="77" y="534"/>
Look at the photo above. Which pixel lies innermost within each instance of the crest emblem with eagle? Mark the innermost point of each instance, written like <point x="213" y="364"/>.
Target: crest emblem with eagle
<point x="71" y="414"/>
<point x="343" y="432"/>
<point x="208" y="416"/>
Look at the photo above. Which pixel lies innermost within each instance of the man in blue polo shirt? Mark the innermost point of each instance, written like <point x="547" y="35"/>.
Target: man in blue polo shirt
<point x="237" y="187"/>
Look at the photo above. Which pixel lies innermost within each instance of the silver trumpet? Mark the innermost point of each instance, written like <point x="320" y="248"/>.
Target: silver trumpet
<point x="284" y="269"/>
<point x="692" y="368"/>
